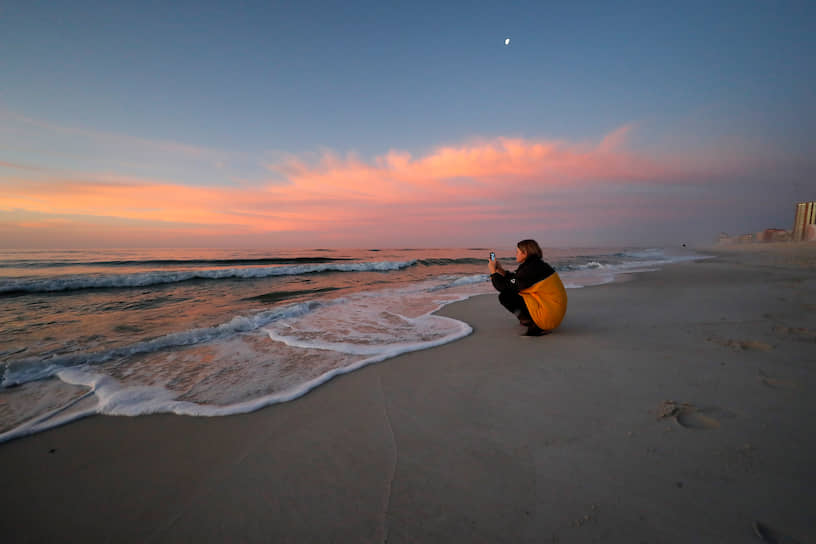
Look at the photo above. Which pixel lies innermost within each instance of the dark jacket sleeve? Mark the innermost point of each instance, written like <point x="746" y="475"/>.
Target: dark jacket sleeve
<point x="504" y="282"/>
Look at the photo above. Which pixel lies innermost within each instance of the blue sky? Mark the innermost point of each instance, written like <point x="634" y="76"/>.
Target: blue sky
<point x="247" y="83"/>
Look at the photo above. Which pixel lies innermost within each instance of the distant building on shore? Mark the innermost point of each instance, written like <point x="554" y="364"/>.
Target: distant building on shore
<point x="773" y="235"/>
<point x="804" y="229"/>
<point x="804" y="226"/>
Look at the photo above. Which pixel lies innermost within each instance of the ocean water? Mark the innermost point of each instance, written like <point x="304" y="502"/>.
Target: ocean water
<point x="218" y="332"/>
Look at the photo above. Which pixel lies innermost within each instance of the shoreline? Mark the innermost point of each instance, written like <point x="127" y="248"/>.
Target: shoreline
<point x="491" y="438"/>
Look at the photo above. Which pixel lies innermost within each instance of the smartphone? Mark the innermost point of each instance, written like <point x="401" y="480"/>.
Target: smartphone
<point x="492" y="256"/>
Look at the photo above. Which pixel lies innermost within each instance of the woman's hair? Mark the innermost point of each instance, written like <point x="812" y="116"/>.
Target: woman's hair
<point x="530" y="247"/>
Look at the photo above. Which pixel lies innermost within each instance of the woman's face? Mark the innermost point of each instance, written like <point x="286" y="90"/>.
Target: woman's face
<point x="520" y="255"/>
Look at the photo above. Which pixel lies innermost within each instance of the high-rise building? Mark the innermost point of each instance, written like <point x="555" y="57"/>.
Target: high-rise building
<point x="805" y="215"/>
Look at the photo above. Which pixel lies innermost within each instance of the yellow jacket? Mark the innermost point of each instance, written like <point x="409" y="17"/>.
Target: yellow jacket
<point x="547" y="302"/>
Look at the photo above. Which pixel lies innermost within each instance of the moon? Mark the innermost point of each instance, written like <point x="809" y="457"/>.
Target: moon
<point x="507" y="41"/>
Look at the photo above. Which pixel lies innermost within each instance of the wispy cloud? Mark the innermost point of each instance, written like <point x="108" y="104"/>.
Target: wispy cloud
<point x="39" y="145"/>
<point x="616" y="139"/>
<point x="107" y="137"/>
<point x="16" y="166"/>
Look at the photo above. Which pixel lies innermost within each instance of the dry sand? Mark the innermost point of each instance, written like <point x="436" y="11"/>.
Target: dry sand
<point x="677" y="407"/>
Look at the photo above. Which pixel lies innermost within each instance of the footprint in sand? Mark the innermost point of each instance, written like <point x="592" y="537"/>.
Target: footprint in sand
<point x="687" y="415"/>
<point x="741" y="344"/>
<point x="696" y="420"/>
<point x="770" y="535"/>
<point x="799" y="333"/>
<point x="779" y="383"/>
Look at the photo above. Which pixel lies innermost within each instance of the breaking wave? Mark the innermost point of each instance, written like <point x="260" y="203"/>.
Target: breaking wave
<point x="143" y="279"/>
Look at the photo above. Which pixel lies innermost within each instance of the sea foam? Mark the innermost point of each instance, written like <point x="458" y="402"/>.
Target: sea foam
<point x="28" y="369"/>
<point x="110" y="396"/>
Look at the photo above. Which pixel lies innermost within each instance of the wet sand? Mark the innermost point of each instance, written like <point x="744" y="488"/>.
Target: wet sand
<point x="675" y="407"/>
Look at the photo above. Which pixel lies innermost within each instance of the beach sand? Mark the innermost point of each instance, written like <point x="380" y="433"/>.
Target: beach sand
<point x="678" y="406"/>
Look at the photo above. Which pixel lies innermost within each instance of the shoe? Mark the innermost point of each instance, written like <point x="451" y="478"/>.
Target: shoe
<point x="526" y="322"/>
<point x="533" y="330"/>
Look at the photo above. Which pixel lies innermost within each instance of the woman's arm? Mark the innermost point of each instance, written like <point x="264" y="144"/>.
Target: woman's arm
<point x="504" y="280"/>
<point x="501" y="278"/>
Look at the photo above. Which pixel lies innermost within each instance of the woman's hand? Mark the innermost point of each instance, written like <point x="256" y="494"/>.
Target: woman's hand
<point x="495" y="266"/>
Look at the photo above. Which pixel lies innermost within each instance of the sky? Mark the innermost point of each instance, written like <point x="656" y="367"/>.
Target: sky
<point x="378" y="124"/>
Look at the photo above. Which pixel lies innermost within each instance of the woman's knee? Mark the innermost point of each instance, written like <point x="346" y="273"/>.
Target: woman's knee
<point x="508" y="300"/>
<point x="513" y="302"/>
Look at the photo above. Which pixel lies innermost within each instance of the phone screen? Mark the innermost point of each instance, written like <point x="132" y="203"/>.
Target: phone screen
<point x="492" y="256"/>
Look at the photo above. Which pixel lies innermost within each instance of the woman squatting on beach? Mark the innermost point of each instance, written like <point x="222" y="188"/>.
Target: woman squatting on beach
<point x="533" y="293"/>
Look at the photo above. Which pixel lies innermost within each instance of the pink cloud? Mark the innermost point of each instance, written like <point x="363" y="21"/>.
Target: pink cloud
<point x="481" y="169"/>
<point x="500" y="184"/>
